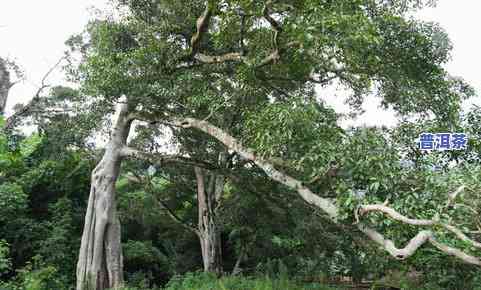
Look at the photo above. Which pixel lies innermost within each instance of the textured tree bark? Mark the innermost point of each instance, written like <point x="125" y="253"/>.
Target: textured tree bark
<point x="5" y="86"/>
<point x="100" y="259"/>
<point x="208" y="230"/>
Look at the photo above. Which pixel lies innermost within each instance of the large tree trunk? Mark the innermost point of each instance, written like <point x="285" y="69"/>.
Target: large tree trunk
<point x="209" y="233"/>
<point x="5" y="85"/>
<point x="100" y="258"/>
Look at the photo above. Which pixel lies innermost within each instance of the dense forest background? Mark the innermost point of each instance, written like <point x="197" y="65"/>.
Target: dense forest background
<point x="192" y="152"/>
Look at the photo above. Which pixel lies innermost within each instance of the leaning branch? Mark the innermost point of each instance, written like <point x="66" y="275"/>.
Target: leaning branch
<point x="323" y="203"/>
<point x="247" y="153"/>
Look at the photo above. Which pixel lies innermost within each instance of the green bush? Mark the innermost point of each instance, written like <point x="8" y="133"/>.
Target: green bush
<point x="37" y="276"/>
<point x="5" y="262"/>
<point x="205" y="281"/>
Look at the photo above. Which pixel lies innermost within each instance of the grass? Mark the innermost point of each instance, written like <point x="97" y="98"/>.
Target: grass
<point x="202" y="281"/>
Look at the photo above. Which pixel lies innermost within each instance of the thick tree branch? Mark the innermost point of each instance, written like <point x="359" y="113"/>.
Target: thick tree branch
<point x="325" y="204"/>
<point x="414" y="244"/>
<point x="247" y="153"/>
<point x="456" y="253"/>
<point x="389" y="245"/>
<point x="202" y="25"/>
<point x="363" y="209"/>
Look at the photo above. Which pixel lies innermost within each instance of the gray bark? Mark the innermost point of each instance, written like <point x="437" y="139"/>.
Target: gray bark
<point x="5" y="85"/>
<point x="208" y="198"/>
<point x="100" y="259"/>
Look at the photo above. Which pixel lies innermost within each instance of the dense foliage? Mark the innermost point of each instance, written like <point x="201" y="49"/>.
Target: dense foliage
<point x="157" y="58"/>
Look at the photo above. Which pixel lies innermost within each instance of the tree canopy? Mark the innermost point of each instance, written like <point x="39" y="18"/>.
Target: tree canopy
<point x="218" y="153"/>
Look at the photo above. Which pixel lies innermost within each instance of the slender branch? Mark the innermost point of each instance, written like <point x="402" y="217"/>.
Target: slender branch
<point x="164" y="158"/>
<point x="202" y="26"/>
<point x="44" y="79"/>
<point x="312" y="78"/>
<point x="176" y="218"/>
<point x="162" y="204"/>
<point x="13" y="119"/>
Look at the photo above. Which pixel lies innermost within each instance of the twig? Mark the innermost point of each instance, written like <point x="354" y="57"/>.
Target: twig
<point x="13" y="119"/>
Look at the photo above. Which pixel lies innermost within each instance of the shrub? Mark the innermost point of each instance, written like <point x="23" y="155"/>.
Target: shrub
<point x="206" y="281"/>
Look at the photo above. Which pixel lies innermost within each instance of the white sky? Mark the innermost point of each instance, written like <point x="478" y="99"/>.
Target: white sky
<point x="33" y="33"/>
